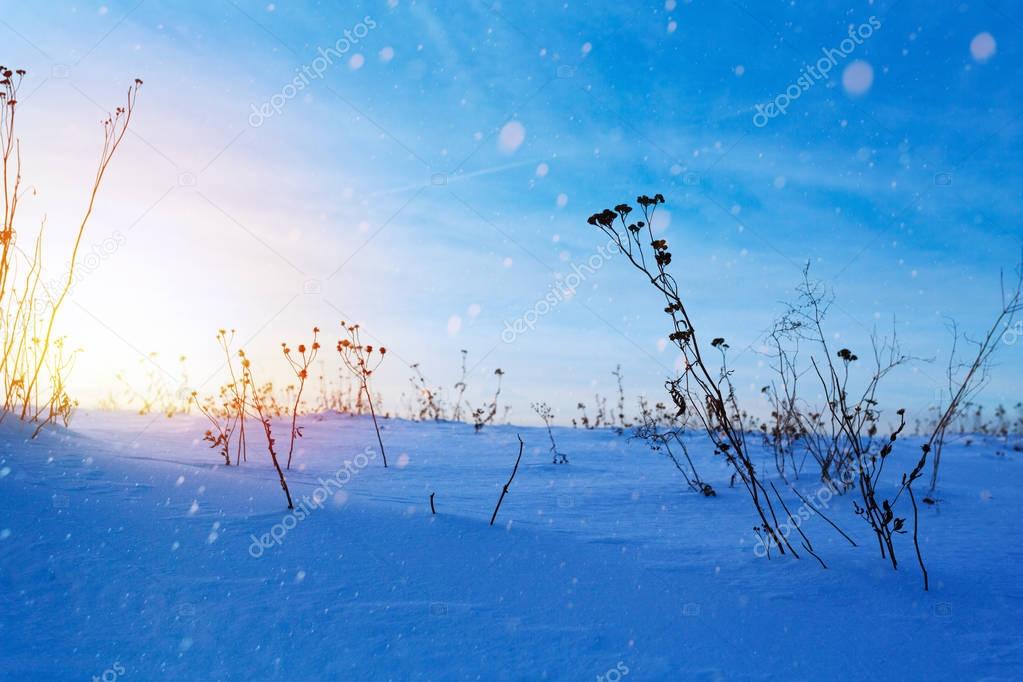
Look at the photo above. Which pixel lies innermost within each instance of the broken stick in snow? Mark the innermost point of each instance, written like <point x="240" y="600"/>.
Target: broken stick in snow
<point x="504" y="491"/>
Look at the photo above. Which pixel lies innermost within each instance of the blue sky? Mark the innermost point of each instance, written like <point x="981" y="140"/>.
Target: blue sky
<point x="435" y="180"/>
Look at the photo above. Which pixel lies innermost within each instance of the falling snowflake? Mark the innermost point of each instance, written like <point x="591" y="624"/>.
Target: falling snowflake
<point x="857" y="77"/>
<point x="983" y="47"/>
<point x="661" y="221"/>
<point x="512" y="135"/>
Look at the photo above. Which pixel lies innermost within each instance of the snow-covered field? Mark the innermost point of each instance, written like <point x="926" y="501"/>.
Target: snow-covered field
<point x="129" y="552"/>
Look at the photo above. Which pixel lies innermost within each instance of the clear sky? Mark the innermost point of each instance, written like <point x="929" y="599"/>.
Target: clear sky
<point x="426" y="169"/>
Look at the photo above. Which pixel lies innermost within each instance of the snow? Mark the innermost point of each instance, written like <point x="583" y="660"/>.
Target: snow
<point x="125" y="546"/>
<point x="983" y="47"/>
<point x="511" y="137"/>
<point x="857" y="77"/>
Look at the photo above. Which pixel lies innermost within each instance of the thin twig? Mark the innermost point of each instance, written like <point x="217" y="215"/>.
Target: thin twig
<point x="504" y="491"/>
<point x="916" y="542"/>
<point x="821" y="514"/>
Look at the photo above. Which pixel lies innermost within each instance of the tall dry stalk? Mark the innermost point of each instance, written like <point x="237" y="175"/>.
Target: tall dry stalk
<point x="698" y="391"/>
<point x="300" y="367"/>
<point x="32" y="356"/>
<point x="358" y="358"/>
<point x="966" y="379"/>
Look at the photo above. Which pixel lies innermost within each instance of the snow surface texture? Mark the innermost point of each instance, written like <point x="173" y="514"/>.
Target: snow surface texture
<point x="127" y="553"/>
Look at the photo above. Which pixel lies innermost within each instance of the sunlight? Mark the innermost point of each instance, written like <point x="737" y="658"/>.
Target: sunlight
<point x="407" y="340"/>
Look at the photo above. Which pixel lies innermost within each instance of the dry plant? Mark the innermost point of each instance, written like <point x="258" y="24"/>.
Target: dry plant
<point x="226" y="412"/>
<point x="221" y="423"/>
<point x="504" y="490"/>
<point x="359" y="360"/>
<point x="59" y="405"/>
<point x="584" y="419"/>
<point x="659" y="415"/>
<point x="342" y="395"/>
<point x="1005" y="427"/>
<point x="456" y="413"/>
<point x="622" y="423"/>
<point x="661" y="429"/>
<point x="544" y="411"/>
<point x="699" y="391"/>
<point x="235" y="393"/>
<point x="857" y="423"/>
<point x="155" y="395"/>
<point x="484" y="415"/>
<point x="785" y="430"/>
<point x="275" y="403"/>
<point x="601" y="417"/>
<point x="852" y="451"/>
<point x="300" y="366"/>
<point x="849" y="419"/>
<point x="263" y="414"/>
<point x="664" y="439"/>
<point x="429" y="405"/>
<point x="237" y="399"/>
<point x="34" y="362"/>
<point x="967" y="377"/>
